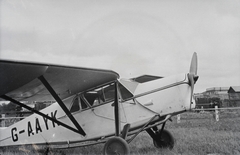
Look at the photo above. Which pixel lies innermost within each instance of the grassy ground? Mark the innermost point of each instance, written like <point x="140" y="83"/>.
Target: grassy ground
<point x="197" y="133"/>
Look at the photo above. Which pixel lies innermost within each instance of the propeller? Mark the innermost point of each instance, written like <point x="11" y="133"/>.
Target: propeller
<point x="192" y="75"/>
<point x="194" y="64"/>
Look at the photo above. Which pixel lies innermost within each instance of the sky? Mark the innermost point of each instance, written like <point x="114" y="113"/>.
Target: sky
<point x="131" y="37"/>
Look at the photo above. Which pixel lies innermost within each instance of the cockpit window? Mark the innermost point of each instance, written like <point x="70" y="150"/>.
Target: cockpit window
<point x="83" y="104"/>
<point x="109" y="93"/>
<point x="78" y="104"/>
<point x="100" y="95"/>
<point x="124" y="92"/>
<point x="75" y="105"/>
<point x="93" y="98"/>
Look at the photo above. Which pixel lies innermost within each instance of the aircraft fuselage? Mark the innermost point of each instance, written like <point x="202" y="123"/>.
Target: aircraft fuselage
<point x="165" y="96"/>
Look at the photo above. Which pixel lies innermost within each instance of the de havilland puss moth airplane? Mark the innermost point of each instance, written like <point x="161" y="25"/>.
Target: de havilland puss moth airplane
<point x="92" y="106"/>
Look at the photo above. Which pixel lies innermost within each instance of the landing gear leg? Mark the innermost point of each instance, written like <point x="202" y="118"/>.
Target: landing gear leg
<point x="116" y="145"/>
<point x="161" y="138"/>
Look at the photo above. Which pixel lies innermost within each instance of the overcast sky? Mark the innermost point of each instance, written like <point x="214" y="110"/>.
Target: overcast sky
<point x="132" y="37"/>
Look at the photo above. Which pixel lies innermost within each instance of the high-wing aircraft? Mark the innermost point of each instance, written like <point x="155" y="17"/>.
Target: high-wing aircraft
<point x="92" y="106"/>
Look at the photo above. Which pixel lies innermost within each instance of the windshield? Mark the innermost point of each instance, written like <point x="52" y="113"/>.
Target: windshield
<point x="125" y="94"/>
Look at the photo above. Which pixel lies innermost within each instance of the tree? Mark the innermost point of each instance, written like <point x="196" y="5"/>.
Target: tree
<point x="9" y="107"/>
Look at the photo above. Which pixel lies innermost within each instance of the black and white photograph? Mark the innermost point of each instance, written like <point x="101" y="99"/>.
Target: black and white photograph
<point x="111" y="77"/>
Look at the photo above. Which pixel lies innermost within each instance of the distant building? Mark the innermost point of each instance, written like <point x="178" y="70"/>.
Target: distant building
<point x="219" y="92"/>
<point x="221" y="96"/>
<point x="234" y="95"/>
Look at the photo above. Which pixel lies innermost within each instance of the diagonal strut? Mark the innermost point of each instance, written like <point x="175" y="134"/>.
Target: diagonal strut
<point x="5" y="97"/>
<point x="62" y="105"/>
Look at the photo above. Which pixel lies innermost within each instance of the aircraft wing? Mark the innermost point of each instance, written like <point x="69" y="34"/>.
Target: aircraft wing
<point x="19" y="80"/>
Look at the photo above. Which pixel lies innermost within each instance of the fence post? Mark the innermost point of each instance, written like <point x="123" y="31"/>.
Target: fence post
<point x="178" y="118"/>
<point x="3" y="121"/>
<point x="216" y="113"/>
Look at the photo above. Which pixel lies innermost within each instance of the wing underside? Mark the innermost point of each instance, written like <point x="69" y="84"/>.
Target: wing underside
<point x="20" y="80"/>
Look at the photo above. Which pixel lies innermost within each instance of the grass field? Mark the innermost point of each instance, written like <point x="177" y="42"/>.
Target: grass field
<point x="197" y="133"/>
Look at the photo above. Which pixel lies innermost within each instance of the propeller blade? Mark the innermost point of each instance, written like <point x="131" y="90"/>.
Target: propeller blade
<point x="194" y="64"/>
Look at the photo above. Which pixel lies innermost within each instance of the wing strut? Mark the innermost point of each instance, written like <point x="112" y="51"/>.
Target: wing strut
<point x="5" y="97"/>
<point x="62" y="105"/>
<point x="116" y="111"/>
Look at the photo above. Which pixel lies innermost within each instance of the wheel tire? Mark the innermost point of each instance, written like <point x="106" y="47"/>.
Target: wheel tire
<point x="165" y="140"/>
<point x="116" y="146"/>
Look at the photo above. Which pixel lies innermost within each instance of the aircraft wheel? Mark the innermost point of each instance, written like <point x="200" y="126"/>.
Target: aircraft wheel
<point x="165" y="140"/>
<point x="116" y="145"/>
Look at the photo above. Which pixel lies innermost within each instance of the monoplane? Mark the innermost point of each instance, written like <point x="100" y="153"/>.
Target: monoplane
<point x="92" y="106"/>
